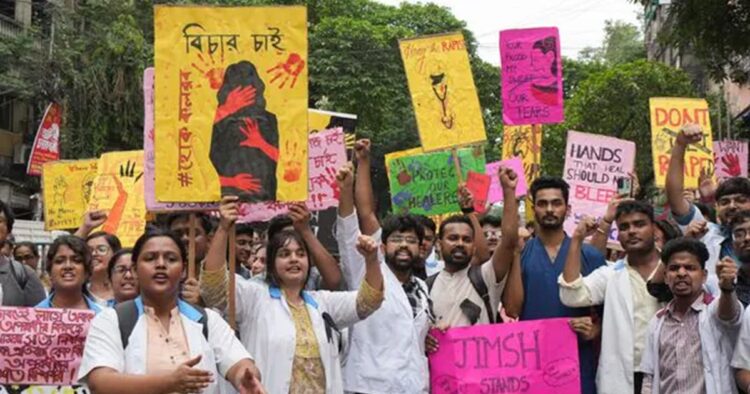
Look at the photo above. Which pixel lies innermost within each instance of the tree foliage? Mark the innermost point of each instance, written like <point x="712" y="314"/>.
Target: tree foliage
<point x="622" y="43"/>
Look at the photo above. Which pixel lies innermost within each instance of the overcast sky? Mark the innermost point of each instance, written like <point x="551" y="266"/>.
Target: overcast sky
<point x="581" y="22"/>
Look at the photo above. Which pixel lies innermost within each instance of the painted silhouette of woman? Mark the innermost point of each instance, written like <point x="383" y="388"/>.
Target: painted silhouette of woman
<point x="544" y="63"/>
<point x="245" y="138"/>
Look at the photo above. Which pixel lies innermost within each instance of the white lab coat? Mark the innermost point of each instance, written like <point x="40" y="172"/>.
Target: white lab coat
<point x="608" y="285"/>
<point x="386" y="353"/>
<point x="104" y="347"/>
<point x="717" y="344"/>
<point x="267" y="331"/>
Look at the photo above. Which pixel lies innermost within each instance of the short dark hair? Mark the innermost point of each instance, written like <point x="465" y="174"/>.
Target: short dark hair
<point x="77" y="245"/>
<point x="29" y="245"/>
<point x="739" y="218"/>
<point x="549" y="182"/>
<point x="278" y="241"/>
<point x="203" y="219"/>
<point x="277" y="224"/>
<point x="112" y="240"/>
<point x="245" y="229"/>
<point x="8" y="213"/>
<point x="401" y="223"/>
<point x="628" y="207"/>
<point x="683" y="244"/>
<point x="426" y="222"/>
<point x="670" y="231"/>
<point x="114" y="258"/>
<point x="733" y="185"/>
<point x="455" y="219"/>
<point x="153" y="232"/>
<point x="492" y="220"/>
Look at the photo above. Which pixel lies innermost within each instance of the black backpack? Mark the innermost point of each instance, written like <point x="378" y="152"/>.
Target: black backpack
<point x="475" y="276"/>
<point x="127" y="316"/>
<point x="19" y="273"/>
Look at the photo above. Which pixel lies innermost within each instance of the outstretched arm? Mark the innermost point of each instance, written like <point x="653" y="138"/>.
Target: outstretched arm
<point x="327" y="265"/>
<point x="363" y="196"/>
<point x="675" y="181"/>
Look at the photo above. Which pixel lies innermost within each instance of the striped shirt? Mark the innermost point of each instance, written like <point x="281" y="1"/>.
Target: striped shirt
<point x="680" y="357"/>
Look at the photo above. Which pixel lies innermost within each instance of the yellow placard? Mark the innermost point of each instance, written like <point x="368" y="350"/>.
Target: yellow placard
<point x="67" y="188"/>
<point x="442" y="90"/>
<point x="118" y="190"/>
<point x="668" y="115"/>
<point x="230" y="103"/>
<point x="525" y="142"/>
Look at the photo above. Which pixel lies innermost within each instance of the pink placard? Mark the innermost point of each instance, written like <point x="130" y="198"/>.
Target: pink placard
<point x="531" y="76"/>
<point x="479" y="185"/>
<point x="593" y="163"/>
<point x="496" y="191"/>
<point x="531" y="357"/>
<point x="148" y="150"/>
<point x="326" y="154"/>
<point x="730" y="158"/>
<point x="42" y="346"/>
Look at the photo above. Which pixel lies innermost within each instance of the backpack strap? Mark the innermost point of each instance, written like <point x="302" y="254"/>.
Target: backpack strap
<point x="127" y="316"/>
<point x="475" y="276"/>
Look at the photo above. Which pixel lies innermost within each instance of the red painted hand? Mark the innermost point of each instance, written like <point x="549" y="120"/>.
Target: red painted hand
<point x="244" y="182"/>
<point x="238" y="98"/>
<point x="732" y="164"/>
<point x="253" y="138"/>
<point x="290" y="69"/>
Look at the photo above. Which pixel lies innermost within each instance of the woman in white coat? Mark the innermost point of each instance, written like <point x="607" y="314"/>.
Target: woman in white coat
<point x="293" y="334"/>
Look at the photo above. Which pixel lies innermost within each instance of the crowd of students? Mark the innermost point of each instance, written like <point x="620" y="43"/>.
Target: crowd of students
<point x="665" y="316"/>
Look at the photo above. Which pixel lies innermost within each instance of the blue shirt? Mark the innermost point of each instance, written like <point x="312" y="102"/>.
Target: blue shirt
<point x="47" y="303"/>
<point x="542" y="295"/>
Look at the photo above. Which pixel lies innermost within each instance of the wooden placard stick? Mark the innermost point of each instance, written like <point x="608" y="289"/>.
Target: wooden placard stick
<point x="191" y="245"/>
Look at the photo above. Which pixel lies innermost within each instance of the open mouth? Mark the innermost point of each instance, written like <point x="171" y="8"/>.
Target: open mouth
<point x="161" y="278"/>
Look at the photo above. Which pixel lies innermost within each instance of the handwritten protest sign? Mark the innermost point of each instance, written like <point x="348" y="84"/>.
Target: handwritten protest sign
<point x="389" y="157"/>
<point x="496" y="191"/>
<point x="479" y="186"/>
<point x="67" y="188"/>
<point x="533" y="357"/>
<point x="41" y="346"/>
<point x="118" y="190"/>
<point x="318" y="120"/>
<point x="593" y="163"/>
<point x="427" y="184"/>
<point x="231" y="103"/>
<point x="668" y="115"/>
<point x="149" y="176"/>
<point x="730" y="158"/>
<point x="442" y="90"/>
<point x="46" y="146"/>
<point x="327" y="153"/>
<point x="524" y="142"/>
<point x="531" y="76"/>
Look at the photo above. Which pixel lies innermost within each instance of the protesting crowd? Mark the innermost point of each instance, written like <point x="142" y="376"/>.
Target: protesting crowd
<point x="200" y="264"/>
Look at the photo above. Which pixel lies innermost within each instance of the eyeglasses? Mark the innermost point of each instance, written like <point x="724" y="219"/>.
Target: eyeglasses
<point x="495" y="233"/>
<point x="397" y="239"/>
<point x="122" y="270"/>
<point x="28" y="257"/>
<point x="100" y="250"/>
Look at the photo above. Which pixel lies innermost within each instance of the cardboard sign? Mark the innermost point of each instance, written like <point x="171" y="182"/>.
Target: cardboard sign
<point x="427" y="184"/>
<point x="442" y="91"/>
<point x="479" y="186"/>
<point x="533" y="357"/>
<point x="46" y="146"/>
<point x="730" y="158"/>
<point x="42" y="346"/>
<point x="496" y="190"/>
<point x="531" y="76"/>
<point x="231" y="103"/>
<point x="668" y="115"/>
<point x="593" y="163"/>
<point x="67" y="189"/>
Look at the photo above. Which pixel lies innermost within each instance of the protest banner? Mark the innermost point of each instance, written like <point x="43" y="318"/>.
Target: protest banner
<point x="730" y="158"/>
<point x="593" y="163"/>
<point x="389" y="157"/>
<point x="442" y="91"/>
<point x="230" y="103"/>
<point x="66" y="187"/>
<point x="479" y="186"/>
<point x="531" y="64"/>
<point x="47" y="141"/>
<point x="41" y="346"/>
<point x="149" y="176"/>
<point x="327" y="153"/>
<point x="496" y="191"/>
<point x="427" y="184"/>
<point x="118" y="190"/>
<point x="319" y="120"/>
<point x="533" y="357"/>
<point x="668" y="115"/>
<point x="525" y="142"/>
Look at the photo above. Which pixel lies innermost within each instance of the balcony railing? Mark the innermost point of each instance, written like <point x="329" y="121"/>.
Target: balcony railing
<point x="9" y="27"/>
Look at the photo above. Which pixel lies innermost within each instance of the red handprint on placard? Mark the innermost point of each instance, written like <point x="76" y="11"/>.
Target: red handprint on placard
<point x="731" y="164"/>
<point x="291" y="69"/>
<point x="211" y="71"/>
<point x="331" y="179"/>
<point x="238" y="98"/>
<point x="293" y="166"/>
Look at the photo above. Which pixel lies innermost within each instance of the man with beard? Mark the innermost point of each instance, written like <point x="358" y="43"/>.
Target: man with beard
<point x="541" y="262"/>
<point x="621" y="287"/>
<point x="491" y="226"/>
<point x="690" y="342"/>
<point x="732" y="196"/>
<point x="386" y="353"/>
